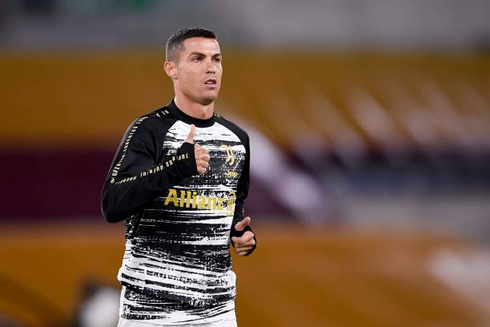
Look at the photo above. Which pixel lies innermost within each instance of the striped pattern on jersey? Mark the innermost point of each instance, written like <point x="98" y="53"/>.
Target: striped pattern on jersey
<point x="177" y="249"/>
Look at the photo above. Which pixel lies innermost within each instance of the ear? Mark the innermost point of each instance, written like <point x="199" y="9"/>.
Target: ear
<point x="170" y="69"/>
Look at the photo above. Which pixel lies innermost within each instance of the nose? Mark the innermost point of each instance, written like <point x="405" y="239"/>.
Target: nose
<point x="210" y="68"/>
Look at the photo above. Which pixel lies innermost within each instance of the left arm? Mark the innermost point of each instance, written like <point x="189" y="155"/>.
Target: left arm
<point x="242" y="236"/>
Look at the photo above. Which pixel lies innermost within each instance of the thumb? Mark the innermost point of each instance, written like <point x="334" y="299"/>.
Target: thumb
<point x="240" y="226"/>
<point x="190" y="137"/>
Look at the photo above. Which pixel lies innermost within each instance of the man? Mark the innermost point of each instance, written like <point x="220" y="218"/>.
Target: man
<point x="179" y="181"/>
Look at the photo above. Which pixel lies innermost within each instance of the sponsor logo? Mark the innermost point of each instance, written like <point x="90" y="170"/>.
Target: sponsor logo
<point x="232" y="173"/>
<point x="190" y="199"/>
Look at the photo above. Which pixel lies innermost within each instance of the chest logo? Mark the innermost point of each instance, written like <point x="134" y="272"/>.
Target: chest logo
<point x="191" y="199"/>
<point x="230" y="157"/>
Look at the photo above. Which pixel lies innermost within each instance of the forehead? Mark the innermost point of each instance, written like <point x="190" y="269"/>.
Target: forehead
<point x="201" y="45"/>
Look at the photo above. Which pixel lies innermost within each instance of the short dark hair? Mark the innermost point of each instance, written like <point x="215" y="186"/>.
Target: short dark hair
<point x="175" y="42"/>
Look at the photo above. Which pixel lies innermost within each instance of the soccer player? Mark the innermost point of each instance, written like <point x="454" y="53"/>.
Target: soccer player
<point x="179" y="181"/>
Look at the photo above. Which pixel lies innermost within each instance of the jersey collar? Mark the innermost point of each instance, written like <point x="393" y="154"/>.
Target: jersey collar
<point x="172" y="108"/>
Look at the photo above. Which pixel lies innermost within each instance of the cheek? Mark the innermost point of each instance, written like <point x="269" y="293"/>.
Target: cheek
<point x="185" y="80"/>
<point x="191" y="77"/>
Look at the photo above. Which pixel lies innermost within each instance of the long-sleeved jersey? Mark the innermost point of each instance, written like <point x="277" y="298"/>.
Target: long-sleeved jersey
<point x="177" y="265"/>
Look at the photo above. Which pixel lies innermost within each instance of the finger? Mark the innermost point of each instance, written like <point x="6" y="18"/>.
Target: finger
<point x="244" y="252"/>
<point x="239" y="242"/>
<point x="192" y="133"/>
<point x="201" y="151"/>
<point x="242" y="224"/>
<point x="201" y="170"/>
<point x="245" y="249"/>
<point x="202" y="156"/>
<point x="202" y="163"/>
<point x="240" y="247"/>
<point x="246" y="238"/>
<point x="248" y="235"/>
<point x="250" y="241"/>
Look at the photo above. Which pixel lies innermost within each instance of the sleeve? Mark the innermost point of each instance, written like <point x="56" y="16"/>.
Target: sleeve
<point x="242" y="193"/>
<point x="136" y="176"/>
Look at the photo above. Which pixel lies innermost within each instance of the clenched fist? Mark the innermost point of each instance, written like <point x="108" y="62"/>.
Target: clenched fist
<point x="200" y="153"/>
<point x="245" y="243"/>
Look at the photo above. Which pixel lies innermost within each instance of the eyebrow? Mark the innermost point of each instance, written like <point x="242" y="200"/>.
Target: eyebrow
<point x="202" y="54"/>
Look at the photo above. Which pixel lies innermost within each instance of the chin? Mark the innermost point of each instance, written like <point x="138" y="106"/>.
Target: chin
<point x="208" y="100"/>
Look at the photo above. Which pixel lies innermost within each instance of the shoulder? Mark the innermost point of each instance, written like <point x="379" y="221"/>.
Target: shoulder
<point x="241" y="133"/>
<point x="155" y="122"/>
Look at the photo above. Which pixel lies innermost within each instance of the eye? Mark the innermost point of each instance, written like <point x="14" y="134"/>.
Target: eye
<point x="196" y="59"/>
<point x="216" y="59"/>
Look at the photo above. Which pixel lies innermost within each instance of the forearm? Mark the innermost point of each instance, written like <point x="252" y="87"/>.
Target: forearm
<point x="123" y="194"/>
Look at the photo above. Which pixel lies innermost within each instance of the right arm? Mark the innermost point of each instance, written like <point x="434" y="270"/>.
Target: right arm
<point x="136" y="175"/>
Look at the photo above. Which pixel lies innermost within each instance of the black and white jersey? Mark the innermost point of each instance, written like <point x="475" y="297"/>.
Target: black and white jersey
<point x="177" y="265"/>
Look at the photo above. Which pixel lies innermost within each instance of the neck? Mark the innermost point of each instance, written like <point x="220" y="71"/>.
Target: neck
<point x="194" y="109"/>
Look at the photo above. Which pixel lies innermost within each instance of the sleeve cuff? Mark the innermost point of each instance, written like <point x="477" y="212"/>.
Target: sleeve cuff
<point x="187" y="160"/>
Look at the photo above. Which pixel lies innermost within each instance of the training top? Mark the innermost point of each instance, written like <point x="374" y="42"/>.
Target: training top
<point x="176" y="267"/>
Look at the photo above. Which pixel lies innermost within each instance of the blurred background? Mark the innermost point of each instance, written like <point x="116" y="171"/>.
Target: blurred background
<point x="370" y="136"/>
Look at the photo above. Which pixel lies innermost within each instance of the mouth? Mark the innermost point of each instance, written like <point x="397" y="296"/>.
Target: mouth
<point x="211" y="82"/>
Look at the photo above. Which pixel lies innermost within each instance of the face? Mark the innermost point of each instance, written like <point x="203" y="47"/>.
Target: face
<point x="197" y="74"/>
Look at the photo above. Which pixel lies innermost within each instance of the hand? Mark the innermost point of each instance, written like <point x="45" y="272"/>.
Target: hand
<point x="201" y="154"/>
<point x="246" y="242"/>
